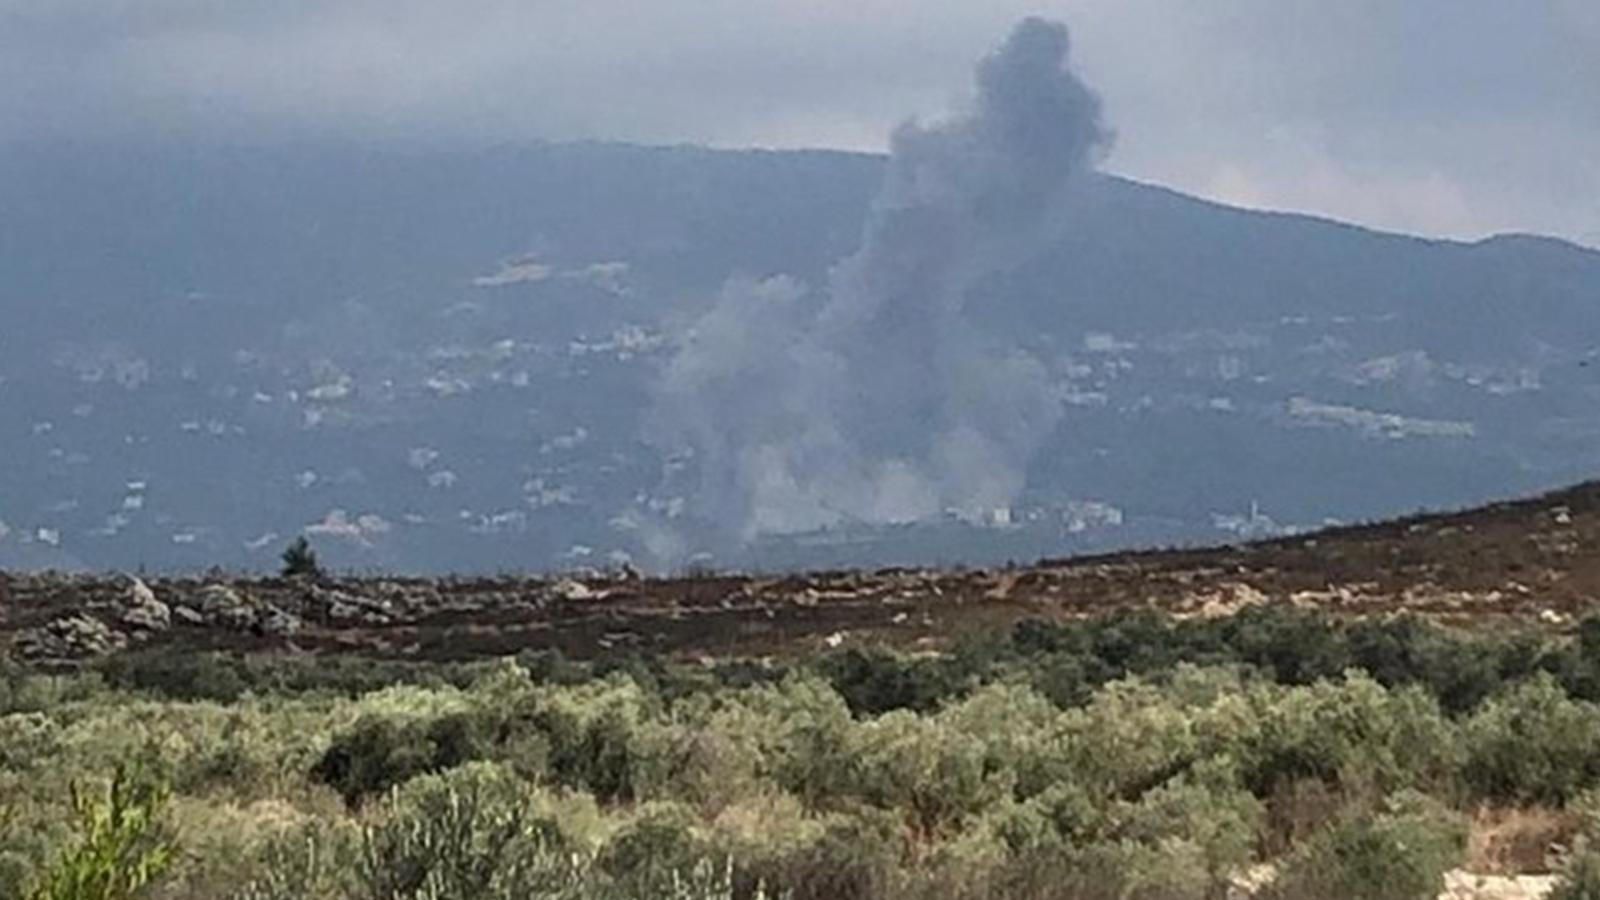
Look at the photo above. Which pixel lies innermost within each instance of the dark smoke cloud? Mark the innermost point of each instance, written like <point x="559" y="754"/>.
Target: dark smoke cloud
<point x="881" y="399"/>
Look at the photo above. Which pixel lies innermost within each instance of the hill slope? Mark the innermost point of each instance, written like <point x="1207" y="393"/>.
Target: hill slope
<point x="1527" y="562"/>
<point x="442" y="360"/>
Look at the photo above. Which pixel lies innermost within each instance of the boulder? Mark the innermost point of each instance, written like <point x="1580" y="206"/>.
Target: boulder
<point x="187" y="616"/>
<point x="69" y="639"/>
<point x="222" y="606"/>
<point x="572" y="590"/>
<point x="279" y="623"/>
<point x="345" y="608"/>
<point x="408" y="601"/>
<point x="140" y="611"/>
<point x="341" y="612"/>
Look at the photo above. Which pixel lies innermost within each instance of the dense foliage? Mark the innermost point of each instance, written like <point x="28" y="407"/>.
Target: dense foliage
<point x="1128" y="757"/>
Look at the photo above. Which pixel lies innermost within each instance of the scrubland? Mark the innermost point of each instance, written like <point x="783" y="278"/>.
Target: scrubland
<point x="1275" y="752"/>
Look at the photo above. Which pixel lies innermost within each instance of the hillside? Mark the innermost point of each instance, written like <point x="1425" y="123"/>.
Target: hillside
<point x="1244" y="721"/>
<point x="1528" y="562"/>
<point x="445" y="360"/>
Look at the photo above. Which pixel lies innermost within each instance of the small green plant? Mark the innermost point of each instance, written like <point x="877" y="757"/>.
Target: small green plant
<point x="706" y="880"/>
<point x="120" y="847"/>
<point x="464" y="836"/>
<point x="306" y="863"/>
<point x="300" y="561"/>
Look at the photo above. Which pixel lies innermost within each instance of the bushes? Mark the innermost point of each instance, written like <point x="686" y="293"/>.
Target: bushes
<point x="854" y="857"/>
<point x="1401" y="853"/>
<point x="1533" y="745"/>
<point x="469" y="835"/>
<point x="379" y="753"/>
<point x="874" y="683"/>
<point x="934" y="776"/>
<point x="659" y="841"/>
<point x="462" y="837"/>
<point x="1351" y="734"/>
<point x="598" y="754"/>
<point x="118" y="847"/>
<point x="196" y="676"/>
<point x="226" y="678"/>
<point x="807" y="750"/>
<point x="1129" y="739"/>
<point x="311" y="862"/>
<point x="595" y="738"/>
<point x="1295" y="647"/>
<point x="1217" y="826"/>
<point x="1134" y="757"/>
<point x="25" y="691"/>
<point x="1460" y="671"/>
<point x="602" y="739"/>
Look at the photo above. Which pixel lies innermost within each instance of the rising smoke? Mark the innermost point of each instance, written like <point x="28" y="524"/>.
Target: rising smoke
<point x="882" y="399"/>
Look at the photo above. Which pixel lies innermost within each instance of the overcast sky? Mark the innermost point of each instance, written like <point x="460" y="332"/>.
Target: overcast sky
<point x="1451" y="117"/>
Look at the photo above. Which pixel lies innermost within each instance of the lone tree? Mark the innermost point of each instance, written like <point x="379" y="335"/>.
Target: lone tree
<point x="300" y="560"/>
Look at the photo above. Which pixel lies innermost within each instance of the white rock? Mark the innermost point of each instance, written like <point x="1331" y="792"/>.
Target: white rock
<point x="141" y="610"/>
<point x="569" y="589"/>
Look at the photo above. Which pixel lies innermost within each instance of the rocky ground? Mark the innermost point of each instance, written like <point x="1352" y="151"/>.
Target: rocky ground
<point x="1531" y="561"/>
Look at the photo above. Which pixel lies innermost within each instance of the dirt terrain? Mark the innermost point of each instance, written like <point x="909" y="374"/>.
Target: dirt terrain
<point x="1531" y="560"/>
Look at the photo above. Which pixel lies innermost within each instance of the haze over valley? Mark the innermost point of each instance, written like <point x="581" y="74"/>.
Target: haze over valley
<point x="980" y="347"/>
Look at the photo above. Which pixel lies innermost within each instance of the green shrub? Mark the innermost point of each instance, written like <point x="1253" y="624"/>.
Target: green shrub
<point x="935" y="776"/>
<point x="855" y="858"/>
<point x="597" y="754"/>
<point x="1217" y="825"/>
<point x="25" y="691"/>
<point x="311" y="862"/>
<point x="1352" y="734"/>
<point x="1022" y="735"/>
<point x="179" y="676"/>
<point x="877" y="682"/>
<point x="1533" y="744"/>
<point x="379" y="752"/>
<point x="713" y="754"/>
<point x="648" y="850"/>
<point x="1401" y="853"/>
<point x="228" y="677"/>
<point x="1295" y="647"/>
<point x="603" y="738"/>
<point x="1459" y="670"/>
<point x="1173" y="869"/>
<point x="1130" y="738"/>
<point x="299" y="560"/>
<point x="807" y="746"/>
<point x="463" y="836"/>
<point x="119" y="847"/>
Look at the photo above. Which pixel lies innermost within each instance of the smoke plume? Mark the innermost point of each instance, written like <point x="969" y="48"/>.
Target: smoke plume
<point x="882" y="399"/>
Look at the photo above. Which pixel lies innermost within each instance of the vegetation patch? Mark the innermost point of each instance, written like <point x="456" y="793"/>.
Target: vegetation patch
<point x="1131" y="756"/>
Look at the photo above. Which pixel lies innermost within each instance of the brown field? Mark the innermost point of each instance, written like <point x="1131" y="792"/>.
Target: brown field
<point x="1531" y="560"/>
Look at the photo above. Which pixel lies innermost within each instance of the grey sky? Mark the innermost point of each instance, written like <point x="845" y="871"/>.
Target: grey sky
<point x="1456" y="117"/>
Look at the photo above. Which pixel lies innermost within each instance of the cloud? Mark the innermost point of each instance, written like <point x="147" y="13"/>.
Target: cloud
<point x="1490" y="100"/>
<point x="361" y="530"/>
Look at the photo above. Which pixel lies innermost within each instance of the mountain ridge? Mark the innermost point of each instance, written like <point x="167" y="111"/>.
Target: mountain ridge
<point x="461" y="347"/>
